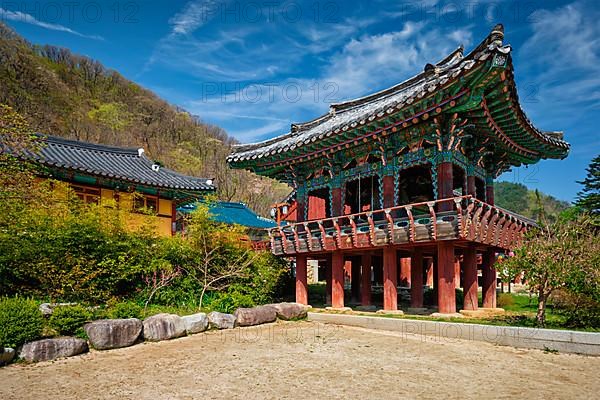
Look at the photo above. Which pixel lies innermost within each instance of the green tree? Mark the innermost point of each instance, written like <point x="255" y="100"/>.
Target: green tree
<point x="512" y="196"/>
<point x="113" y="115"/>
<point x="563" y="255"/>
<point x="16" y="141"/>
<point x="589" y="197"/>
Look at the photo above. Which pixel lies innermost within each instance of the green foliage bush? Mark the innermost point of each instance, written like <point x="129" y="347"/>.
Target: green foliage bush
<point x="68" y="320"/>
<point x="71" y="252"/>
<point x="67" y="251"/>
<point x="580" y="310"/>
<point x="428" y="297"/>
<point x="230" y="301"/>
<point x="20" y="321"/>
<point x="460" y="298"/>
<point x="124" y="310"/>
<point x="505" y="300"/>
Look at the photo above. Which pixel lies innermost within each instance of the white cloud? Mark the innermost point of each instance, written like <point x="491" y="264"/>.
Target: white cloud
<point x="566" y="37"/>
<point x="373" y="61"/>
<point x="18" y="16"/>
<point x="193" y="16"/>
<point x="363" y="65"/>
<point x="259" y="133"/>
<point x="346" y="63"/>
<point x="563" y="56"/>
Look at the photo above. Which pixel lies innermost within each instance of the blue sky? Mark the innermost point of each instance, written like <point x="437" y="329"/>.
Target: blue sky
<point x="253" y="67"/>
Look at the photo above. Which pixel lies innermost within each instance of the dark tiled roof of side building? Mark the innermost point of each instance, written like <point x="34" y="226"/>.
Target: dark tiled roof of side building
<point x="118" y="163"/>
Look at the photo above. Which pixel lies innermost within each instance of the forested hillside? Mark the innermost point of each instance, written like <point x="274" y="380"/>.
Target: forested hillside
<point x="516" y="197"/>
<point x="68" y="95"/>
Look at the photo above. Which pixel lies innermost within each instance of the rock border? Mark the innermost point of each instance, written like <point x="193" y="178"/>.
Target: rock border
<point x="163" y="327"/>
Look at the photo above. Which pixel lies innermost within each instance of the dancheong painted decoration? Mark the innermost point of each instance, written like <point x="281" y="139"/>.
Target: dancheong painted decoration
<point x="399" y="184"/>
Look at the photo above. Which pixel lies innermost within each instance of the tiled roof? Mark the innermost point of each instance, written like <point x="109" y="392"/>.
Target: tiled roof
<point x="117" y="163"/>
<point x="234" y="213"/>
<point x="355" y="113"/>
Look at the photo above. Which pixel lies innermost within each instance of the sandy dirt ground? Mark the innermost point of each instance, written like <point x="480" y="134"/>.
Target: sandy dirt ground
<point x="307" y="360"/>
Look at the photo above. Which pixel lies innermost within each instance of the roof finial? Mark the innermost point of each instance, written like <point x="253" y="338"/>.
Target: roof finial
<point x="497" y="34"/>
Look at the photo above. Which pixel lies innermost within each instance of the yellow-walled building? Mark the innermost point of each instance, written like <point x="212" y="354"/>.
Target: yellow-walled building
<point x="102" y="174"/>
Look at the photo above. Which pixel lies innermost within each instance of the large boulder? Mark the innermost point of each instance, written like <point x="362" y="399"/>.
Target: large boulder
<point x="255" y="316"/>
<point x="195" y="323"/>
<point x="51" y="349"/>
<point x="288" y="311"/>
<point x="6" y="355"/>
<point x="163" y="327"/>
<point x="220" y="320"/>
<point x="113" y="333"/>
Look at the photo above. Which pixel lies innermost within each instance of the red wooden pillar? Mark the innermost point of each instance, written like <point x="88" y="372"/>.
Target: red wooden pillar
<point x="489" y="279"/>
<point x="445" y="282"/>
<point x="337" y="279"/>
<point x="347" y="270"/>
<point x="470" y="279"/>
<point x="416" y="282"/>
<point x="365" y="281"/>
<point x="328" y="281"/>
<point x="355" y="279"/>
<point x="301" y="285"/>
<point x="390" y="274"/>
<point x="471" y="187"/>
<point x="429" y="270"/>
<point x="300" y="210"/>
<point x="336" y="202"/>
<point x="389" y="193"/>
<point x="489" y="191"/>
<point x="405" y="273"/>
<point x="445" y="184"/>
<point x="436" y="270"/>
<point x="456" y="272"/>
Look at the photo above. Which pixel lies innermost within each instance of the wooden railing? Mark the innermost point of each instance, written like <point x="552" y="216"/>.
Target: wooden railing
<point x="262" y="245"/>
<point x="465" y="218"/>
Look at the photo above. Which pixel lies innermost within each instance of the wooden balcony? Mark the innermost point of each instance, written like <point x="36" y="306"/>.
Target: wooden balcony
<point x="468" y="220"/>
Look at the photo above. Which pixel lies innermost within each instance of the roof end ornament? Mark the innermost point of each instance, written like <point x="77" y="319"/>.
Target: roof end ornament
<point x="497" y="35"/>
<point x="140" y="152"/>
<point x="431" y="69"/>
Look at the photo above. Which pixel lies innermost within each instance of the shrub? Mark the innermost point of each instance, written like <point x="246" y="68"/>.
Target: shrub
<point x="580" y="310"/>
<point x="125" y="310"/>
<point x="460" y="298"/>
<point x="68" y="320"/>
<point x="428" y="297"/>
<point x="229" y="302"/>
<point x="20" y="321"/>
<point x="505" y="300"/>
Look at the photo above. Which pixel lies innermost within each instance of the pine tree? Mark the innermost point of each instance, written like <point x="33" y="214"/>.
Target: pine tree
<point x="589" y="197"/>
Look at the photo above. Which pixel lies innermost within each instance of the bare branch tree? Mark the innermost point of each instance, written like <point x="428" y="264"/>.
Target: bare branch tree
<point x="215" y="275"/>
<point x="158" y="280"/>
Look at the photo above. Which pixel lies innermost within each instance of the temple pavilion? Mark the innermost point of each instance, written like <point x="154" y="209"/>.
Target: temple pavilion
<point x="399" y="184"/>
